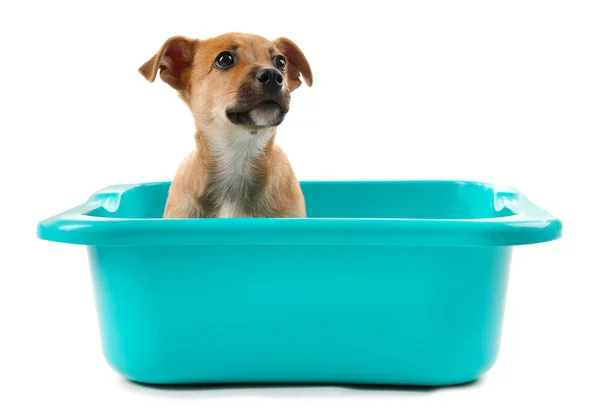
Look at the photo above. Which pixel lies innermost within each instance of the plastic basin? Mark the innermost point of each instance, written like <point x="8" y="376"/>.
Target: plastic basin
<point x="383" y="283"/>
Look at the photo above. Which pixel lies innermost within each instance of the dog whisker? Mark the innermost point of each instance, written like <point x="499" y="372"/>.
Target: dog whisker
<point x="230" y="101"/>
<point x="227" y="93"/>
<point x="262" y="148"/>
<point x="210" y="120"/>
<point x="228" y="83"/>
<point x="219" y="96"/>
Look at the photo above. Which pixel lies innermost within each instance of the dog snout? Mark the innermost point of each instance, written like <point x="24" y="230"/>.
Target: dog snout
<point x="269" y="79"/>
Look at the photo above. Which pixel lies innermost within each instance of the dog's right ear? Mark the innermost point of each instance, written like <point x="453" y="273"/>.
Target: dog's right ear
<point x="174" y="60"/>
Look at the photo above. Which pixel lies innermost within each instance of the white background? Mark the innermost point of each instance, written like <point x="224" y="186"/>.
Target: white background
<point x="503" y="92"/>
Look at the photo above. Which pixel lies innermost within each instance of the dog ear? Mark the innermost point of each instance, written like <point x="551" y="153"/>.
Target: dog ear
<point x="173" y="60"/>
<point x="296" y="63"/>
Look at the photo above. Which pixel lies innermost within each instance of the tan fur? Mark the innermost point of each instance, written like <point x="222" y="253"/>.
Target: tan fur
<point x="202" y="179"/>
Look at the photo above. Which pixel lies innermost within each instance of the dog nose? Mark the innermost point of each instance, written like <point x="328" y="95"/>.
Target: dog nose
<point x="270" y="79"/>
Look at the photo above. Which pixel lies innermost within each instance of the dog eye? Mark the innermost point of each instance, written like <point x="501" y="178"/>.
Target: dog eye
<point x="279" y="62"/>
<point x="224" y="60"/>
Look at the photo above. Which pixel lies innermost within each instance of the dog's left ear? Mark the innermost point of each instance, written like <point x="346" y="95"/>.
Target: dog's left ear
<point x="296" y="63"/>
<point x="174" y="60"/>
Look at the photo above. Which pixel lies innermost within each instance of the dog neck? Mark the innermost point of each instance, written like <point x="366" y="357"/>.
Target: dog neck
<point x="239" y="169"/>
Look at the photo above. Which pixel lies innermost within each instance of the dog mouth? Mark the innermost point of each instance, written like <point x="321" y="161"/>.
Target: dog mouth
<point x="267" y="105"/>
<point x="262" y="114"/>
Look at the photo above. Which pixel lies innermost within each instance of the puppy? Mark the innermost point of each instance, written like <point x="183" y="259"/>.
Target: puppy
<point x="238" y="88"/>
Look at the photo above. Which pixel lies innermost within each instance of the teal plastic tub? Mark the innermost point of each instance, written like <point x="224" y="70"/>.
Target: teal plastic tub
<point x="383" y="283"/>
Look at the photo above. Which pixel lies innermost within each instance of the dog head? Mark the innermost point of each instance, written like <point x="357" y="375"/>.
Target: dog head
<point x="233" y="80"/>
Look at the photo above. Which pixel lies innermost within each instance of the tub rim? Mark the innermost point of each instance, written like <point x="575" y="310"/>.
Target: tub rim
<point x="529" y="224"/>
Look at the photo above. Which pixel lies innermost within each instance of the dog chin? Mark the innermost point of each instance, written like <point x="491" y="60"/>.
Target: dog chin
<point x="265" y="114"/>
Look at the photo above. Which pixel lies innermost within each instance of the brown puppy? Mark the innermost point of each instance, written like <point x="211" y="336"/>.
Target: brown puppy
<point x="238" y="89"/>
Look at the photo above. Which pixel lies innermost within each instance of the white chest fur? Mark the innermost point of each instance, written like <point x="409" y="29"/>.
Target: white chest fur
<point x="236" y="155"/>
<point x="227" y="211"/>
